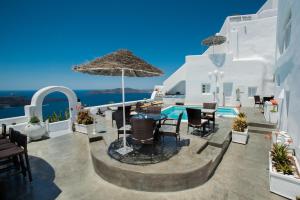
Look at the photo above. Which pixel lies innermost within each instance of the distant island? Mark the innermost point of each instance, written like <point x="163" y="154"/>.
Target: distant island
<point x="16" y="101"/>
<point x="119" y="91"/>
<point x="13" y="100"/>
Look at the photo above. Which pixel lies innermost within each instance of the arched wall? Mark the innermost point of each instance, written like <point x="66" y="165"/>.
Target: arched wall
<point x="35" y="108"/>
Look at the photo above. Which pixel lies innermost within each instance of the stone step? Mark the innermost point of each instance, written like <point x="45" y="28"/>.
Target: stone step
<point x="260" y="130"/>
<point x="210" y="153"/>
<point x="221" y="138"/>
<point x="262" y="125"/>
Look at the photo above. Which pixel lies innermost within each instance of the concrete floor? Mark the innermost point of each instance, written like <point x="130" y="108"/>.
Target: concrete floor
<point x="62" y="169"/>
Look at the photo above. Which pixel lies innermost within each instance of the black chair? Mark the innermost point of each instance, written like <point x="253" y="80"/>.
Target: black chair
<point x="118" y="116"/>
<point x="3" y="131"/>
<point x="127" y="114"/>
<point x="153" y="110"/>
<point x="210" y="117"/>
<point x="143" y="131"/>
<point x="138" y="107"/>
<point x="195" y="119"/>
<point x="165" y="129"/>
<point x="257" y="101"/>
<point x="16" y="152"/>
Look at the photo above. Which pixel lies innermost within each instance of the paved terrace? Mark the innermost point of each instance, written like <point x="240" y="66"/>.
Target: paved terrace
<point x="62" y="169"/>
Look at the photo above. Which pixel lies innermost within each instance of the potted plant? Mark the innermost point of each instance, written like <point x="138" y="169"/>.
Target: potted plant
<point x="274" y="115"/>
<point x="85" y="123"/>
<point x="35" y="129"/>
<point x="239" y="129"/>
<point x="284" y="175"/>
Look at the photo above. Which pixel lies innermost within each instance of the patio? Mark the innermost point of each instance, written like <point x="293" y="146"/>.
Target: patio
<point x="62" y="168"/>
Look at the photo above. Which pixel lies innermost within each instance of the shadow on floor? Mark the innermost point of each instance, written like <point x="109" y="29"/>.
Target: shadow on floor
<point x="42" y="186"/>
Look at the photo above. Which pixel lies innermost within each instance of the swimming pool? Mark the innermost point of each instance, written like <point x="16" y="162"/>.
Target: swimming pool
<point x="173" y="111"/>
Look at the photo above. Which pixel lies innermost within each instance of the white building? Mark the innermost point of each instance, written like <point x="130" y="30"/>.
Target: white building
<point x="288" y="68"/>
<point x="245" y="62"/>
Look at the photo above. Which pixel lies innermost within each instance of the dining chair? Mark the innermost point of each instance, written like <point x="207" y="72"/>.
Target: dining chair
<point x="167" y="129"/>
<point x="195" y="119"/>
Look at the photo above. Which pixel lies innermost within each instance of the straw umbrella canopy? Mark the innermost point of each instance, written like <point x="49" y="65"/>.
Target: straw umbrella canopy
<point x="120" y="63"/>
<point x="214" y="40"/>
<point x="113" y="64"/>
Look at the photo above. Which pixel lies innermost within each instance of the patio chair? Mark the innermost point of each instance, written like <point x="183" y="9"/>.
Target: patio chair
<point x="153" y="110"/>
<point x="143" y="131"/>
<point x="127" y="114"/>
<point x="17" y="152"/>
<point x="3" y="131"/>
<point x="210" y="117"/>
<point x="118" y="116"/>
<point x="257" y="101"/>
<point x="165" y="129"/>
<point x="195" y="119"/>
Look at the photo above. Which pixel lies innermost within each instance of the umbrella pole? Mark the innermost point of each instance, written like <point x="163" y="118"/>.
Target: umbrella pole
<point x="125" y="149"/>
<point x="123" y="102"/>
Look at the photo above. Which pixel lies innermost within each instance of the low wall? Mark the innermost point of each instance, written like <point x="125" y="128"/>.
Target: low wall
<point x="58" y="126"/>
<point x="14" y="120"/>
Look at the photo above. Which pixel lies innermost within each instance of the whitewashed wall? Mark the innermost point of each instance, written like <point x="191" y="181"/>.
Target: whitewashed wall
<point x="247" y="59"/>
<point x="288" y="66"/>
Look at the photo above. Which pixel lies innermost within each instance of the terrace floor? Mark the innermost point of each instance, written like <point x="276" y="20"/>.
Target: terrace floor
<point x="62" y="169"/>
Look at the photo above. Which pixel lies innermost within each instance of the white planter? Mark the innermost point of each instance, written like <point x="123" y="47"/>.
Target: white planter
<point x="84" y="128"/>
<point x="240" y="137"/>
<point x="273" y="117"/>
<point x="284" y="185"/>
<point x="35" y="131"/>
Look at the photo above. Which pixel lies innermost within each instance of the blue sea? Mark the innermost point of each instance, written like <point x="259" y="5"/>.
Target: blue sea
<point x="57" y="102"/>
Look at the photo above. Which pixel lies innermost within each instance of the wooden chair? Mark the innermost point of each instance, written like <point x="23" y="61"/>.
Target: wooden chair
<point x="3" y="131"/>
<point x="165" y="129"/>
<point x="195" y="119"/>
<point x="19" y="151"/>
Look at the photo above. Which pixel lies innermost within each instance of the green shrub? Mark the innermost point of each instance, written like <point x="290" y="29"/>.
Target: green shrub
<point x="239" y="124"/>
<point x="242" y="115"/>
<point x="59" y="117"/>
<point x="34" y="120"/>
<point x="84" y="117"/>
<point x="280" y="158"/>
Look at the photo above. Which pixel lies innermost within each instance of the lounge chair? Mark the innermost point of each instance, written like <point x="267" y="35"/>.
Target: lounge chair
<point x="195" y="119"/>
<point x="118" y="116"/>
<point x="166" y="128"/>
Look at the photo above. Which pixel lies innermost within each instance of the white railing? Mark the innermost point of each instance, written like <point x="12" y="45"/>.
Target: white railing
<point x="14" y="120"/>
<point x="106" y="106"/>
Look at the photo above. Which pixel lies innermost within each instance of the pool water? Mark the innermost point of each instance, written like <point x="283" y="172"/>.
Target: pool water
<point x="174" y="111"/>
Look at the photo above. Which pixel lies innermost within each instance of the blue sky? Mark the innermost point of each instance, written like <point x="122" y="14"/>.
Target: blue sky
<point x="41" y="40"/>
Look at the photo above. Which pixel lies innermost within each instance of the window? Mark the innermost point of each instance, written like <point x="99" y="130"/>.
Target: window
<point x="205" y="88"/>
<point x="252" y="91"/>
<point x="227" y="89"/>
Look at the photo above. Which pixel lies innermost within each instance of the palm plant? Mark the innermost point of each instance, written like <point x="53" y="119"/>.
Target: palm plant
<point x="280" y="158"/>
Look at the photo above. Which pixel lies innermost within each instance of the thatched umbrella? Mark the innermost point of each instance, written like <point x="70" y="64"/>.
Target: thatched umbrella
<point x="120" y="63"/>
<point x="214" y="40"/>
